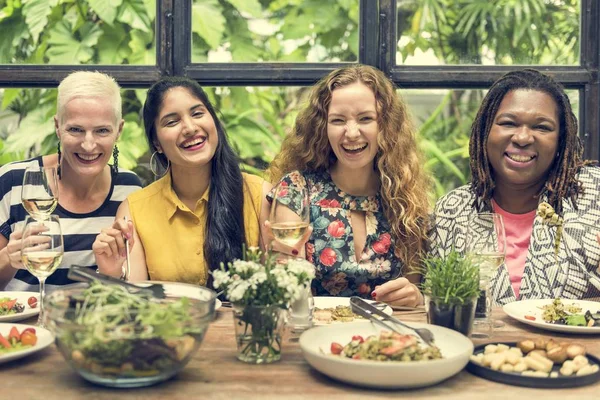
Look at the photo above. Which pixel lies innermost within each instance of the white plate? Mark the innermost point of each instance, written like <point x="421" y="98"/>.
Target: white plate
<point x="22" y="298"/>
<point x="176" y="289"/>
<point x="315" y="344"/>
<point x="44" y="339"/>
<point x="519" y="309"/>
<point x="332" y="302"/>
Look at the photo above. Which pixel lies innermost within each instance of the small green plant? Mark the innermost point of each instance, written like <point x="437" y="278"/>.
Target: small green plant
<point x="453" y="279"/>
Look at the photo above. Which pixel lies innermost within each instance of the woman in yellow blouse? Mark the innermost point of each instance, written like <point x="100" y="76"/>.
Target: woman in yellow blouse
<point x="201" y="212"/>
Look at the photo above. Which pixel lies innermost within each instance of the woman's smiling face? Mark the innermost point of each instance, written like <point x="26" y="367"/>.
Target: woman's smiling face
<point x="523" y="140"/>
<point x="185" y="130"/>
<point x="352" y="126"/>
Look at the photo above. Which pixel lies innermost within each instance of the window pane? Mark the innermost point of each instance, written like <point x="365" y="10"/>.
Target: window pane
<point x="443" y="118"/>
<point x="508" y="32"/>
<point x="274" y="30"/>
<point x="78" y="32"/>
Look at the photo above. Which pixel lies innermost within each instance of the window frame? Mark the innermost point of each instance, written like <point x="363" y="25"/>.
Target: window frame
<point x="376" y="37"/>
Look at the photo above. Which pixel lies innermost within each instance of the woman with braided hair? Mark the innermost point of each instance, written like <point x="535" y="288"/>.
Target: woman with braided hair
<point x="527" y="165"/>
<point x="88" y="123"/>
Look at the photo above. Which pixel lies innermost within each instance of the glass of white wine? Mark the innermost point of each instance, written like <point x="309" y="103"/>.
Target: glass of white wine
<point x="486" y="246"/>
<point x="39" y="192"/>
<point x="290" y="214"/>
<point x="42" y="251"/>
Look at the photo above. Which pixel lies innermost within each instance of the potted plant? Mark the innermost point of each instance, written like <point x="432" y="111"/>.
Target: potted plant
<point x="451" y="289"/>
<point x="261" y="289"/>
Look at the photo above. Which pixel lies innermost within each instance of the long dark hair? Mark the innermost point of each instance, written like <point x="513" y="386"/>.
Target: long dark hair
<point x="561" y="182"/>
<point x="224" y="230"/>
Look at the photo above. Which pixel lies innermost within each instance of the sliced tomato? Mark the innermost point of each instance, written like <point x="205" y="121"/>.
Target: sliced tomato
<point x="4" y="343"/>
<point x="32" y="301"/>
<point x="9" y="304"/>
<point x="14" y="336"/>
<point x="30" y="330"/>
<point x="28" y="339"/>
<point x="530" y="317"/>
<point x="336" y="348"/>
<point x="358" y="338"/>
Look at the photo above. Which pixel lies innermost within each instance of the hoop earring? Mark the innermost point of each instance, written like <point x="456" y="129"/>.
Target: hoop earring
<point x="115" y="166"/>
<point x="58" y="169"/>
<point x="155" y="169"/>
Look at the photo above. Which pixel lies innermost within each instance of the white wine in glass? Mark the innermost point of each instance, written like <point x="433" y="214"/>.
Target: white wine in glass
<point x="290" y="216"/>
<point x="486" y="246"/>
<point x="39" y="192"/>
<point x="42" y="251"/>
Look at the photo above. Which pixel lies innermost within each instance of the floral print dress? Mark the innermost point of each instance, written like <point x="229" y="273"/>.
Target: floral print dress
<point x="331" y="245"/>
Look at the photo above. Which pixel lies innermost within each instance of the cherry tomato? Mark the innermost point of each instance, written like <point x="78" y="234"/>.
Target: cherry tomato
<point x="336" y="348"/>
<point x="28" y="339"/>
<point x="530" y="317"/>
<point x="32" y="301"/>
<point x="358" y="338"/>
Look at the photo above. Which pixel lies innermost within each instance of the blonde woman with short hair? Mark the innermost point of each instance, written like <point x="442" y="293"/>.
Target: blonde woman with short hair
<point x="88" y="123"/>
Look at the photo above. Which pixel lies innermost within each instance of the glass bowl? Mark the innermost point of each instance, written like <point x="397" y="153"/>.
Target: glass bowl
<point x="115" y="338"/>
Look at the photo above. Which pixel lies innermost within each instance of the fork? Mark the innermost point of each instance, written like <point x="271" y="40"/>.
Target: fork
<point x="81" y="273"/>
<point x="364" y="309"/>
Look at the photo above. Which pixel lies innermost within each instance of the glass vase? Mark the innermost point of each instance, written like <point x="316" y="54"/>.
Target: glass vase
<point x="458" y="317"/>
<point x="258" y="332"/>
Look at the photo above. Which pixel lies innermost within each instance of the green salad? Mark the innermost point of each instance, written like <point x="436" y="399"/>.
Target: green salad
<point x="109" y="331"/>
<point x="10" y="306"/>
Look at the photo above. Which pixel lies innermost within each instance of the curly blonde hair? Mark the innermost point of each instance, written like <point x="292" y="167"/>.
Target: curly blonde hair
<point x="404" y="183"/>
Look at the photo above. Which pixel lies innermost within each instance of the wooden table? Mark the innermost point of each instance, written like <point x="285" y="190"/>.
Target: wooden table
<point x="215" y="373"/>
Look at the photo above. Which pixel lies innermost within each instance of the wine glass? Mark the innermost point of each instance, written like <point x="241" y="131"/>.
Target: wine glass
<point x="39" y="192"/>
<point x="486" y="247"/>
<point x="42" y="251"/>
<point x="290" y="216"/>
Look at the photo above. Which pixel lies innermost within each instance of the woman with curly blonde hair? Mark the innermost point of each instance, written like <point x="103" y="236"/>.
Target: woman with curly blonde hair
<point x="353" y="146"/>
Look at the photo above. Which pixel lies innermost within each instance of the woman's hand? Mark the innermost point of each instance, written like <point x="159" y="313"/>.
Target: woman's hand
<point x="13" y="248"/>
<point x="398" y="292"/>
<point x="109" y="247"/>
<point x="278" y="247"/>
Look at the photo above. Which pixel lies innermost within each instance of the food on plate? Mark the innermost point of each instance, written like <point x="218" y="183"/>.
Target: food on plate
<point x="16" y="340"/>
<point x="10" y="306"/>
<point x="549" y="217"/>
<point x="32" y="302"/>
<point x="333" y="314"/>
<point x="111" y="332"/>
<point x="388" y="346"/>
<point x="539" y="358"/>
<point x="569" y="314"/>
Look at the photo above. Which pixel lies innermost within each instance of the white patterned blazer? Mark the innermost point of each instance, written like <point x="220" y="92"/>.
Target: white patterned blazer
<point x="576" y="275"/>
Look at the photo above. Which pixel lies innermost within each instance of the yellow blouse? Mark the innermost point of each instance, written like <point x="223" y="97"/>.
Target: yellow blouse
<point x="173" y="235"/>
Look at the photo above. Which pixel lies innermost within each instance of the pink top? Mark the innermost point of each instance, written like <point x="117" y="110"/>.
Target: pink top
<point x="518" y="228"/>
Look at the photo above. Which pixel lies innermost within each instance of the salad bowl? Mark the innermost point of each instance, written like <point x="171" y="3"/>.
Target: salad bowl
<point x="317" y="345"/>
<point x="115" y="338"/>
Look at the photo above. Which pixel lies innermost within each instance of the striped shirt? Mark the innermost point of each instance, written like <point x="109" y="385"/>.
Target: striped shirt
<point x="79" y="230"/>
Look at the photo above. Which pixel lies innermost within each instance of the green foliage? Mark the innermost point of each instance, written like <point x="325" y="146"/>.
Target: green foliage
<point x="454" y="279"/>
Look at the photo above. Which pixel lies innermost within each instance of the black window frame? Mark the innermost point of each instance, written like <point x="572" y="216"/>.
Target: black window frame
<point x="377" y="44"/>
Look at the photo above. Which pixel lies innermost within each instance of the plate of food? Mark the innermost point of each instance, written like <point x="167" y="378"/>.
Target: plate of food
<point x="539" y="363"/>
<point x="18" y="340"/>
<point x="16" y="306"/>
<point x="337" y="309"/>
<point x="559" y="315"/>
<point x="362" y="353"/>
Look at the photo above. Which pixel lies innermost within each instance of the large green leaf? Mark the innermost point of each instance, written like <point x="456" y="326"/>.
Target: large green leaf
<point x="36" y="16"/>
<point x="113" y="46"/>
<point x="208" y="22"/>
<point x="66" y="48"/>
<point x="32" y="130"/>
<point x="8" y="96"/>
<point x="132" y="143"/>
<point x="13" y="30"/>
<point x="151" y="8"/>
<point x="106" y="9"/>
<point x="143" y="50"/>
<point x="133" y="13"/>
<point x="251" y="7"/>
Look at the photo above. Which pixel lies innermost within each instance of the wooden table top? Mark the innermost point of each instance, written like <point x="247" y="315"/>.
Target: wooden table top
<point x="215" y="373"/>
